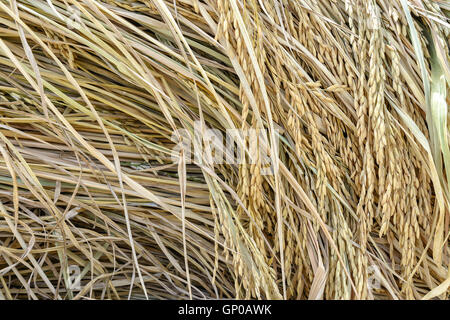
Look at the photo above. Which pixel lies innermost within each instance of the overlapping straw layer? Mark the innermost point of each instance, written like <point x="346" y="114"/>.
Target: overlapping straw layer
<point x="351" y="98"/>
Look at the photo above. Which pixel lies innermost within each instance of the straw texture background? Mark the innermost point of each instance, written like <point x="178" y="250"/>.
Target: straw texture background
<point x="355" y="92"/>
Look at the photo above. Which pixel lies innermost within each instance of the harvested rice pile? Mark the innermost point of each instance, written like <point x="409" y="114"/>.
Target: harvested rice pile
<point x="112" y="185"/>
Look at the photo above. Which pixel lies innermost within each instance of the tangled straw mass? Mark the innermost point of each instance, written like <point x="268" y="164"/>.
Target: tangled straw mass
<point x="344" y="193"/>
